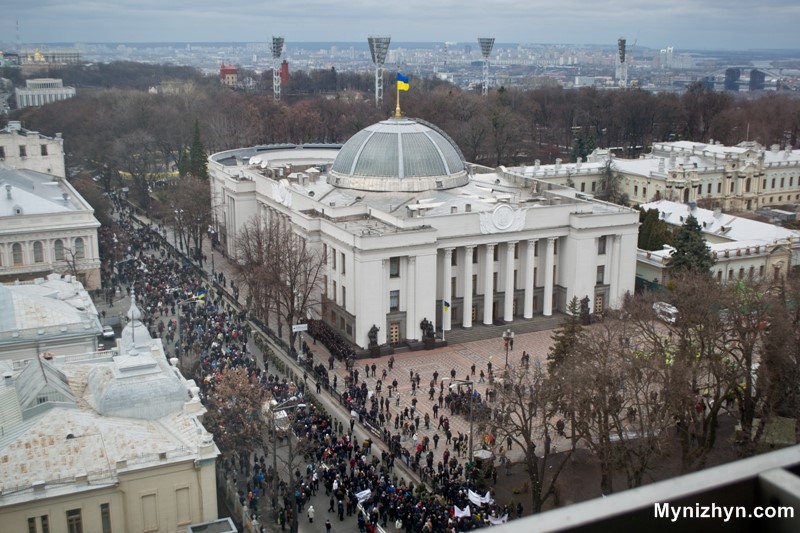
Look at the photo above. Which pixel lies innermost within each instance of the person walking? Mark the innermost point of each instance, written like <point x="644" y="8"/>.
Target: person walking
<point x="310" y="513"/>
<point x="327" y="526"/>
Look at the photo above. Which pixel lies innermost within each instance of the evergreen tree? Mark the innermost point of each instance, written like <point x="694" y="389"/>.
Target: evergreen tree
<point x="611" y="186"/>
<point x="691" y="252"/>
<point x="565" y="338"/>
<point x="184" y="164"/>
<point x="197" y="155"/>
<point x="654" y="233"/>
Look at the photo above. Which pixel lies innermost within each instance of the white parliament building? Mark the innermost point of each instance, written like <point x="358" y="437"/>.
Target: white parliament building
<point x="408" y="227"/>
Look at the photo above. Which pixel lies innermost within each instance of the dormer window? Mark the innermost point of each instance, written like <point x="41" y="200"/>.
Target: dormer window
<point x="17" y="210"/>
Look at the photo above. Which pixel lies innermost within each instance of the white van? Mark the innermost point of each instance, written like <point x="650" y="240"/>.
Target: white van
<point x="666" y="312"/>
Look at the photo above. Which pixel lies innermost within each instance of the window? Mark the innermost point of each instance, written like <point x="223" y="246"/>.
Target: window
<point x="636" y="190"/>
<point x="601" y="274"/>
<point x="601" y="245"/>
<point x="516" y="250"/>
<point x="453" y="289"/>
<point x="764" y="184"/>
<point x="761" y="271"/>
<point x="474" y="258"/>
<point x="44" y="149"/>
<point x="535" y="274"/>
<point x="741" y="273"/>
<point x="708" y="189"/>
<point x="583" y="186"/>
<point x="325" y="285"/>
<point x="782" y="182"/>
<point x="2" y="153"/>
<point x="45" y="523"/>
<point x="773" y="183"/>
<point x="555" y="246"/>
<point x="38" y="252"/>
<point x="342" y="262"/>
<point x="335" y="291"/>
<point x="644" y="192"/>
<point x="344" y="297"/>
<point x="23" y="152"/>
<point x="494" y="282"/>
<point x="747" y="185"/>
<point x="474" y="284"/>
<point x="536" y="249"/>
<point x="333" y="259"/>
<point x="394" y="267"/>
<point x="730" y="274"/>
<point x="454" y="258"/>
<point x="719" y="275"/>
<point x="74" y="522"/>
<point x="32" y="525"/>
<point x="324" y="254"/>
<point x="719" y="187"/>
<point x="80" y="251"/>
<point x="494" y="253"/>
<point x="16" y="254"/>
<point x="751" y="273"/>
<point x="594" y="186"/>
<point x="394" y="300"/>
<point x="58" y="249"/>
<point x="105" y="518"/>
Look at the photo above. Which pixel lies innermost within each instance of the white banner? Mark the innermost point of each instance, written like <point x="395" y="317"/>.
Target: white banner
<point x="363" y="495"/>
<point x="497" y="521"/>
<point x="479" y="500"/>
<point x="458" y="513"/>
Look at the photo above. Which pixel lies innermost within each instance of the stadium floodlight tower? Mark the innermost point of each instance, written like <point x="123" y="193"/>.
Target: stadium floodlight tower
<point x="277" y="49"/>
<point x="622" y="64"/>
<point x="378" y="46"/>
<point x="487" y="43"/>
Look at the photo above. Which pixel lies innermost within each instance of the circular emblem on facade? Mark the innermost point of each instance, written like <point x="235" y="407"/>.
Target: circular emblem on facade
<point x="503" y="217"/>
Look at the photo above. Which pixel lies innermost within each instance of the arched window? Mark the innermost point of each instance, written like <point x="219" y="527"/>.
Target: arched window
<point x="58" y="248"/>
<point x="16" y="254"/>
<point x="80" y="252"/>
<point x="38" y="252"/>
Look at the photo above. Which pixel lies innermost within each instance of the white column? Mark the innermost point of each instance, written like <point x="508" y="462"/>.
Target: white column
<point x="549" y="261"/>
<point x="508" y="311"/>
<point x="467" y="305"/>
<point x="447" y="295"/>
<point x="412" y="322"/>
<point x="488" y="277"/>
<point x="529" y="266"/>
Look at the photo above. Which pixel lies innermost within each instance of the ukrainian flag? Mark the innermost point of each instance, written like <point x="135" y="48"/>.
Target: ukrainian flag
<point x="402" y="82"/>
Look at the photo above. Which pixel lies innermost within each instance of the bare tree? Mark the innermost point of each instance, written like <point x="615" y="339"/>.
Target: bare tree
<point x="192" y="212"/>
<point x="279" y="265"/>
<point x="527" y="395"/>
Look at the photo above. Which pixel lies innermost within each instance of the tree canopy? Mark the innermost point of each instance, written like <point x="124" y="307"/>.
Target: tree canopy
<point x="691" y="252"/>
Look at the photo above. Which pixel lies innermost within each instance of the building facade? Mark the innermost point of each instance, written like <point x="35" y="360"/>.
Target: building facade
<point x="30" y="150"/>
<point x="45" y="227"/>
<point x="745" y="177"/>
<point x="42" y="91"/>
<point x="109" y="441"/>
<point x="742" y="249"/>
<point x="410" y="232"/>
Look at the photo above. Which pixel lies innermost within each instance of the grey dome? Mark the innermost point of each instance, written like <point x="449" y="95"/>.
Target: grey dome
<point x="399" y="154"/>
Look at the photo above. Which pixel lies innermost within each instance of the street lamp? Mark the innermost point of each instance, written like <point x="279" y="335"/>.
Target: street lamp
<point x="508" y="337"/>
<point x="457" y="383"/>
<point x="272" y="409"/>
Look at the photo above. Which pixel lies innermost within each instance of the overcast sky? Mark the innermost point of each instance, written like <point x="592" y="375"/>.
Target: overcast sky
<point x="684" y="24"/>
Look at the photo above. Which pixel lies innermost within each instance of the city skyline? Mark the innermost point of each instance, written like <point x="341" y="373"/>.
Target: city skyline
<point x="712" y="25"/>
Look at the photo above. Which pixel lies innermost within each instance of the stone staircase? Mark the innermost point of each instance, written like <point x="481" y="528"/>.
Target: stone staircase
<point x="479" y="332"/>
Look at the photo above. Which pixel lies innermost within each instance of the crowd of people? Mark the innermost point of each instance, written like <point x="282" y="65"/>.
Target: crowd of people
<point x="175" y="299"/>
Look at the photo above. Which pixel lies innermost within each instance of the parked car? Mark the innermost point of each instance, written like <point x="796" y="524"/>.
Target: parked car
<point x="666" y="312"/>
<point x="108" y="332"/>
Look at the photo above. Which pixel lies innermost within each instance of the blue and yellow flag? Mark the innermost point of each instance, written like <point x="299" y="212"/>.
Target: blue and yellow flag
<point x="402" y="82"/>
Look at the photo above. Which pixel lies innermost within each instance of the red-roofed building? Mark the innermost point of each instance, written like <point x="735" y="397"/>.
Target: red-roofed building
<point x="228" y="75"/>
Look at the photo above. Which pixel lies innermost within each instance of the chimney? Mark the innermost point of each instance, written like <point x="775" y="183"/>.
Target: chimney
<point x="661" y="164"/>
<point x="14" y="125"/>
<point x="558" y="163"/>
<point x="8" y="379"/>
<point x="536" y="164"/>
<point x="468" y="208"/>
<point x="65" y="196"/>
<point x="8" y="191"/>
